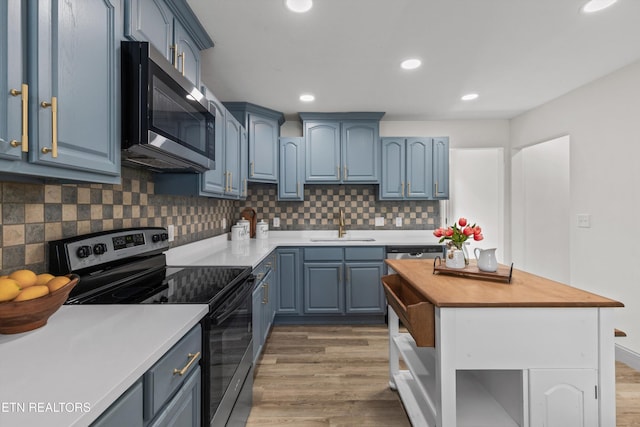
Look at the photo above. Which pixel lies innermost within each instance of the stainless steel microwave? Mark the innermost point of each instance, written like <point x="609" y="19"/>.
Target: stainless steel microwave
<point x="166" y="122"/>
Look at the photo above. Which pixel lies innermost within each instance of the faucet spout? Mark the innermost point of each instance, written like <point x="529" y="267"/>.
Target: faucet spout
<point x="341" y="230"/>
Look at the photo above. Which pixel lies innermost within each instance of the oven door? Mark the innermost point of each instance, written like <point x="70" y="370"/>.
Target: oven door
<point x="228" y="341"/>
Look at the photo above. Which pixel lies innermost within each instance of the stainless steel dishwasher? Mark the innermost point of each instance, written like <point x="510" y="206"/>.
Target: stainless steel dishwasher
<point x="414" y="252"/>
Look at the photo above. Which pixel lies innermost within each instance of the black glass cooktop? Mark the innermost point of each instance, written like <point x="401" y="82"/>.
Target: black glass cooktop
<point x="170" y="285"/>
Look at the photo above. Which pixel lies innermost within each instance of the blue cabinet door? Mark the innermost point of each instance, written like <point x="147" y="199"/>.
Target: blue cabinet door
<point x="184" y="409"/>
<point x="126" y="411"/>
<point x="232" y="134"/>
<point x="360" y="151"/>
<point x="74" y="123"/>
<point x="393" y="168"/>
<point x="363" y="288"/>
<point x="441" y="168"/>
<point x="322" y="151"/>
<point x="244" y="163"/>
<point x="288" y="293"/>
<point x="256" y="321"/>
<point x="188" y="57"/>
<point x="323" y="288"/>
<point x="12" y="47"/>
<point x="150" y="20"/>
<point x="418" y="166"/>
<point x="291" y="176"/>
<point x="267" y="306"/>
<point x="213" y="180"/>
<point x="263" y="149"/>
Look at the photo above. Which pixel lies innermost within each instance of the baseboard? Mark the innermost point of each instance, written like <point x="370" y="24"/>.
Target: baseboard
<point x="628" y="357"/>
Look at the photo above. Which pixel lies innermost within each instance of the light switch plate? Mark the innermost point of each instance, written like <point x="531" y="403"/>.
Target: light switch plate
<point x="584" y="220"/>
<point x="379" y="221"/>
<point x="276" y="222"/>
<point x="224" y="223"/>
<point x="399" y="221"/>
<point x="171" y="231"/>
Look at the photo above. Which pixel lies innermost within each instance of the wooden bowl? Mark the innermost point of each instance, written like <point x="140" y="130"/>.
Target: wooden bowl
<point x="23" y="316"/>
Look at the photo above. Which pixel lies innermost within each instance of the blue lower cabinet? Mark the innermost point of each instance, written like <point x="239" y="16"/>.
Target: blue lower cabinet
<point x="289" y="289"/>
<point x="184" y="409"/>
<point x="126" y="411"/>
<point x="363" y="289"/>
<point x="323" y="288"/>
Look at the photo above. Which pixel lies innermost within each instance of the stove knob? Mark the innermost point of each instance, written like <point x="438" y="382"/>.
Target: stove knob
<point x="155" y="238"/>
<point x="165" y="236"/>
<point x="83" y="251"/>
<point x="99" y="248"/>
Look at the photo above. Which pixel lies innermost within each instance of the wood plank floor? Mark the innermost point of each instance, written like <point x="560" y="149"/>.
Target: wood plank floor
<point x="337" y="376"/>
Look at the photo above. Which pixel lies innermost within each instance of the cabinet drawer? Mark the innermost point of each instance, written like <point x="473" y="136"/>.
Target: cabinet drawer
<point x="416" y="313"/>
<point x="323" y="254"/>
<point x="126" y="411"/>
<point x="168" y="374"/>
<point x="364" y="253"/>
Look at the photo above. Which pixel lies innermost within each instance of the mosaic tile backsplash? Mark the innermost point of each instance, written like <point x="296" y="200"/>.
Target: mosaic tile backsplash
<point x="33" y="214"/>
<point x="322" y="204"/>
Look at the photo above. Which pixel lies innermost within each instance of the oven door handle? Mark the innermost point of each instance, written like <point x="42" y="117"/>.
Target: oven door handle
<point x="230" y="307"/>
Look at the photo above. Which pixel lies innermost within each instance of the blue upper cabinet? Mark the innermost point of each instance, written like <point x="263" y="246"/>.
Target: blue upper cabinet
<point x="441" y="168"/>
<point x="213" y="180"/>
<point x="415" y="168"/>
<point x="393" y="168"/>
<point x="263" y="128"/>
<point x="419" y="164"/>
<point x="12" y="82"/>
<point x="244" y="163"/>
<point x="291" y="182"/>
<point x="172" y="28"/>
<point x="65" y="52"/>
<point x="342" y="147"/>
<point x="233" y="134"/>
<point x="360" y="151"/>
<point x="322" y="151"/>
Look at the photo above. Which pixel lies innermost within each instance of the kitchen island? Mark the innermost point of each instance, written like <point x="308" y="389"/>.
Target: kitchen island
<point x="532" y="352"/>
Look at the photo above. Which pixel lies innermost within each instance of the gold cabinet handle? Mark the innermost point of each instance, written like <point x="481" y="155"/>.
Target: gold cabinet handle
<point x="345" y="172"/>
<point x="298" y="189"/>
<point x="338" y="171"/>
<point x="265" y="293"/>
<point x="230" y="181"/>
<point x="408" y="188"/>
<point x="182" y="56"/>
<point x="402" y="188"/>
<point x="436" y="193"/>
<point x="192" y="358"/>
<point x="54" y="126"/>
<point x="24" y="91"/>
<point x="244" y="186"/>
<point x="253" y="171"/>
<point x="259" y="276"/>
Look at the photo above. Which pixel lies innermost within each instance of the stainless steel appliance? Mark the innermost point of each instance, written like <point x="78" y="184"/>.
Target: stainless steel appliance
<point x="166" y="121"/>
<point x="129" y="267"/>
<point x="415" y="252"/>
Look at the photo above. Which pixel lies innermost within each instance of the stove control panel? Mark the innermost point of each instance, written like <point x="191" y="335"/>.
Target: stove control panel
<point x="97" y="250"/>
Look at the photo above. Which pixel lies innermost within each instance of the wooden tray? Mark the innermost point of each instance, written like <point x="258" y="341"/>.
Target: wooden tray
<point x="503" y="273"/>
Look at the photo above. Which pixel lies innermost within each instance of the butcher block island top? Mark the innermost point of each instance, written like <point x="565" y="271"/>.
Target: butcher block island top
<point x="525" y="289"/>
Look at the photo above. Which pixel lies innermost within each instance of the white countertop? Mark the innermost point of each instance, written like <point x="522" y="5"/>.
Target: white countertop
<point x="69" y="371"/>
<point x="218" y="251"/>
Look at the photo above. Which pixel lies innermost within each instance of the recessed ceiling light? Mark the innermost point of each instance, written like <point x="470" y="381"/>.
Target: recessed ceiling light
<point x="411" y="64"/>
<point x="299" y="6"/>
<point x="307" y="97"/>
<point x="469" y="97"/>
<point x="597" y="5"/>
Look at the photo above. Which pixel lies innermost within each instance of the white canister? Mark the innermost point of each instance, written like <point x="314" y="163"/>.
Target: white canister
<point x="262" y="230"/>
<point x="247" y="228"/>
<point x="237" y="232"/>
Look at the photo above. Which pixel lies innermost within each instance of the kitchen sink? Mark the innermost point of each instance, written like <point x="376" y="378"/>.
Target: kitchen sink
<point x="343" y="239"/>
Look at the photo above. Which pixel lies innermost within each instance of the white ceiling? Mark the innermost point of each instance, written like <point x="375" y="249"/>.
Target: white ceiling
<point x="517" y="54"/>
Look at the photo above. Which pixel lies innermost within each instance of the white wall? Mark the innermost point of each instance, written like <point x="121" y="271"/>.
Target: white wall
<point x="603" y="122"/>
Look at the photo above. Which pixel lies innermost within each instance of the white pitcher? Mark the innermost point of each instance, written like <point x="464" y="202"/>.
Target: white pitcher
<point x="487" y="259"/>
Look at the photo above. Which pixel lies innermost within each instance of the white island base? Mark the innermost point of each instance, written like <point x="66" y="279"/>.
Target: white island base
<point x="508" y="366"/>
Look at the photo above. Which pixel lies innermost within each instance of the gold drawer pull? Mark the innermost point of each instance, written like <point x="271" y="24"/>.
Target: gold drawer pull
<point x="182" y="56"/>
<point x="253" y="168"/>
<point x="192" y="359"/>
<point x="54" y="126"/>
<point x="24" y="91"/>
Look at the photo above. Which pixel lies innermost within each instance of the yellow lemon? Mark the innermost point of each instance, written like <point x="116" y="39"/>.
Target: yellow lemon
<point x="9" y="289"/>
<point x="43" y="278"/>
<point x="57" y="282"/>
<point x="32" y="292"/>
<point x="25" y="278"/>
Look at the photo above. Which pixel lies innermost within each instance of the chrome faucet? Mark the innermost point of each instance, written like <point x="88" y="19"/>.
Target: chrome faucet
<point x="341" y="231"/>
